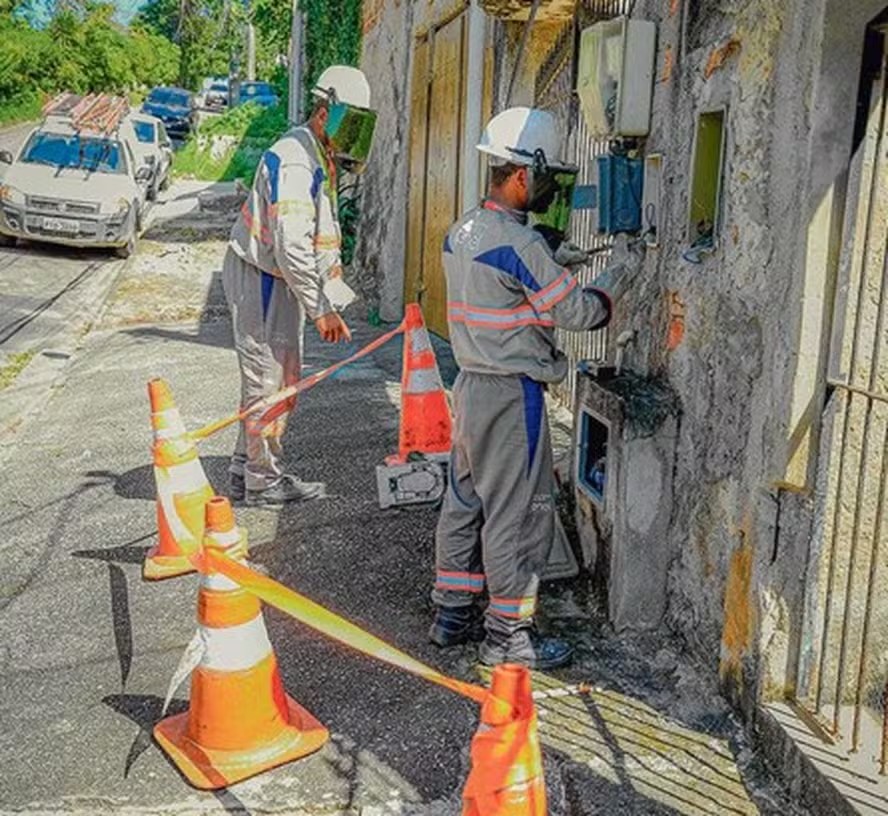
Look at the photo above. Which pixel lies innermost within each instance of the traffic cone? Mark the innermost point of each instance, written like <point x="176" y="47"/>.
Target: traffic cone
<point x="507" y="766"/>
<point x="182" y="489"/>
<point x="425" y="413"/>
<point x="240" y="721"/>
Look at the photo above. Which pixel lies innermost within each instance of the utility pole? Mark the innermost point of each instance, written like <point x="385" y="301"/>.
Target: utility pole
<point x="294" y="103"/>
<point x="251" y="51"/>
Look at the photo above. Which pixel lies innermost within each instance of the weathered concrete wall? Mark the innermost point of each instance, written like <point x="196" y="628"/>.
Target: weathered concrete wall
<point x="386" y="59"/>
<point x="742" y="335"/>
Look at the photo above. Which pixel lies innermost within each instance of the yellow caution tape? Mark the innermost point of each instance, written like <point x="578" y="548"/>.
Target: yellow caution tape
<point x="291" y="391"/>
<point x="328" y="623"/>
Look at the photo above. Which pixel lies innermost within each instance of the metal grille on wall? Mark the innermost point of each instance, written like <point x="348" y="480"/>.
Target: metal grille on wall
<point x="843" y="666"/>
<point x="554" y="91"/>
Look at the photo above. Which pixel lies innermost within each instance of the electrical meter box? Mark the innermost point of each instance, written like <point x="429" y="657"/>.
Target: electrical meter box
<point x="615" y="80"/>
<point x="614" y="194"/>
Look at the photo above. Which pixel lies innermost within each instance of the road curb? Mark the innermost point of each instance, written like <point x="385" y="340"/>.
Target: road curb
<point x="24" y="400"/>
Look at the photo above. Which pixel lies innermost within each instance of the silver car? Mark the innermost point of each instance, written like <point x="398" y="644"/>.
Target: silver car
<point x="152" y="147"/>
<point x="73" y="187"/>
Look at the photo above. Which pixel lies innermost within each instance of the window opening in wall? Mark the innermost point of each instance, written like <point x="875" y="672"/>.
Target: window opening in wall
<point x="592" y="455"/>
<point x="706" y="180"/>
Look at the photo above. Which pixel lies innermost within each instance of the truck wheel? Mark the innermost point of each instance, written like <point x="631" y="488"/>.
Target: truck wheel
<point x="128" y="249"/>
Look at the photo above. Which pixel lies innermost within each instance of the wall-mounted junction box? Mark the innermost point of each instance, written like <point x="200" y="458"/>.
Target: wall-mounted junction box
<point x="614" y="193"/>
<point x="651" y="223"/>
<point x="626" y="431"/>
<point x="615" y="78"/>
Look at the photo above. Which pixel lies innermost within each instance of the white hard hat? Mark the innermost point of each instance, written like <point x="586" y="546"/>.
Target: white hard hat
<point x="516" y="134"/>
<point x="348" y="83"/>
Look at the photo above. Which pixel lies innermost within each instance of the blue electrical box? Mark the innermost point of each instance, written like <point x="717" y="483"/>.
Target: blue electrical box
<point x="617" y="195"/>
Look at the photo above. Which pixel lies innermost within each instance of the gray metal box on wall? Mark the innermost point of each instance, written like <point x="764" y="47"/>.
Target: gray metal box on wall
<point x="626" y="429"/>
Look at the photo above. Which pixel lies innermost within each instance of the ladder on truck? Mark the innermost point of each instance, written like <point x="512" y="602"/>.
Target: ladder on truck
<point x="95" y="113"/>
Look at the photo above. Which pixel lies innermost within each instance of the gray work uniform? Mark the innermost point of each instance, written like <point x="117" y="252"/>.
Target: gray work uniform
<point x="283" y="247"/>
<point x="505" y="295"/>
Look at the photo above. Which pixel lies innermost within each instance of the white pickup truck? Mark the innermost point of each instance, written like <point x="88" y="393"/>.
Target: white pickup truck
<point x="71" y="186"/>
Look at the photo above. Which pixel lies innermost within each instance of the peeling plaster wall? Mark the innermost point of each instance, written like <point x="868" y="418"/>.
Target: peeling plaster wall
<point x="386" y="58"/>
<point x="748" y="353"/>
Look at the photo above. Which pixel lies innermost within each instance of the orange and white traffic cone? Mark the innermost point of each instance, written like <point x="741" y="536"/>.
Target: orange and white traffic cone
<point x="426" y="424"/>
<point x="506" y="778"/>
<point x="182" y="489"/>
<point x="240" y="720"/>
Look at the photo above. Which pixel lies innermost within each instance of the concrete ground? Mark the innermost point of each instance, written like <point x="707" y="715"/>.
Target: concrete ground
<point x="89" y="647"/>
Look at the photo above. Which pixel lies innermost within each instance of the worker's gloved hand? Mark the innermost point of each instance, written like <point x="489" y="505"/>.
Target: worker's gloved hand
<point x="622" y="269"/>
<point x="569" y="254"/>
<point x="332" y="328"/>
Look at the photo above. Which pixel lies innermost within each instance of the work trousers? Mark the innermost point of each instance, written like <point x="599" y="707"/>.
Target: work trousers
<point x="497" y="521"/>
<point x="268" y="323"/>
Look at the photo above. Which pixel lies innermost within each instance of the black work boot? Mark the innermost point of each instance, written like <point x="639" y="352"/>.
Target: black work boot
<point x="455" y="625"/>
<point x="527" y="648"/>
<point x="286" y="489"/>
<point x="237" y="488"/>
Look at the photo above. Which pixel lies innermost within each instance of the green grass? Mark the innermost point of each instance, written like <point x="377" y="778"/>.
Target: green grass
<point x="14" y="366"/>
<point x="254" y="130"/>
<point x="20" y="109"/>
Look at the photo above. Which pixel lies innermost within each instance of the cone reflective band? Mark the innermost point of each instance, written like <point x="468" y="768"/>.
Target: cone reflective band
<point x="350" y="131"/>
<point x="240" y="720"/>
<point x="182" y="489"/>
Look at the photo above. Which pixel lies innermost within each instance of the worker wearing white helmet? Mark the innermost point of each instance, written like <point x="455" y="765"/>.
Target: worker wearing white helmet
<point x="283" y="252"/>
<point x="506" y="295"/>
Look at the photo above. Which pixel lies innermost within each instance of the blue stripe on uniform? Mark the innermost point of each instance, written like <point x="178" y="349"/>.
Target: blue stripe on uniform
<point x="505" y="259"/>
<point x="448" y="250"/>
<point x="273" y="165"/>
<point x="267" y="287"/>
<point x="533" y="416"/>
<point x="316" y="181"/>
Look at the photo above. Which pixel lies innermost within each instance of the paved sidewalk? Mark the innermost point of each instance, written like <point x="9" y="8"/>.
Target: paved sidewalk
<point x="88" y="647"/>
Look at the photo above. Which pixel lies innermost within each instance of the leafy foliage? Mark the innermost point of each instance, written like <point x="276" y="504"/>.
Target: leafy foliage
<point x="248" y="130"/>
<point x="332" y="35"/>
<point x="209" y="34"/>
<point x="82" y="49"/>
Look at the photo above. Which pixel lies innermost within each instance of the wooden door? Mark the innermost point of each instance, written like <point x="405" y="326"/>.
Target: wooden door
<point x="435" y="151"/>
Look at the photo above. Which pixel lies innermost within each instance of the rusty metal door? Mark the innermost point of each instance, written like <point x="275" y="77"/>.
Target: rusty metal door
<point x="435" y="153"/>
<point x="843" y="666"/>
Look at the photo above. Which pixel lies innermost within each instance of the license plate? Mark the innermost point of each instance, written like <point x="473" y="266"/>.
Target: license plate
<point x="61" y="225"/>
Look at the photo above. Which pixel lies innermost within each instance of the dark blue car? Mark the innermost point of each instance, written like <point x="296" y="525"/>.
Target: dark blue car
<point x="174" y="107"/>
<point x="259" y="92"/>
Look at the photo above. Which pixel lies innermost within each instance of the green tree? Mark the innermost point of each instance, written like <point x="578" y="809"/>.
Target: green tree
<point x="332" y="35"/>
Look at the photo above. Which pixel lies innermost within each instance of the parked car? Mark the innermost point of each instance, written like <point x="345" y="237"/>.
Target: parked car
<point x="70" y="186"/>
<point x="174" y="107"/>
<point x="215" y="95"/>
<point x="259" y="92"/>
<point x="153" y="148"/>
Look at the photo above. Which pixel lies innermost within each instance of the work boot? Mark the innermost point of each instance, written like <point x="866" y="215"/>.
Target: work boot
<point x="237" y="487"/>
<point x="286" y="489"/>
<point x="455" y="625"/>
<point x="527" y="648"/>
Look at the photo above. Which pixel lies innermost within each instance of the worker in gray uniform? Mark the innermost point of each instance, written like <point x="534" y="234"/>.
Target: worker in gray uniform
<point x="283" y="252"/>
<point x="506" y="295"/>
